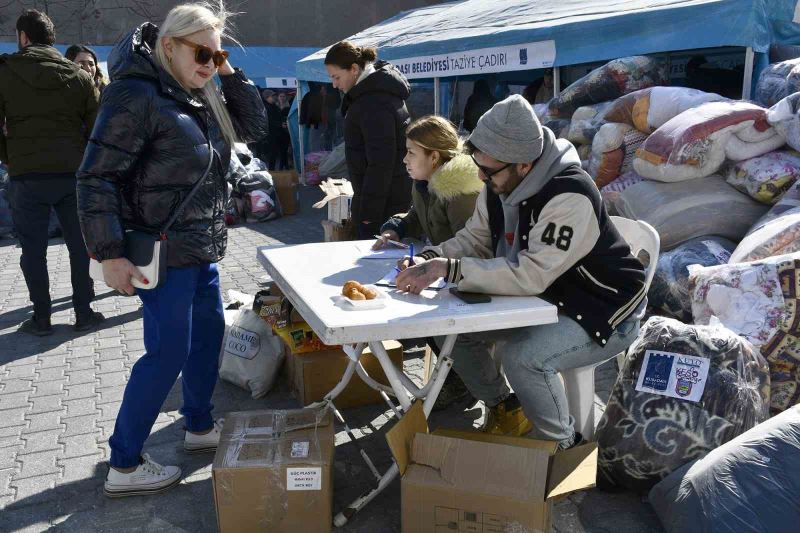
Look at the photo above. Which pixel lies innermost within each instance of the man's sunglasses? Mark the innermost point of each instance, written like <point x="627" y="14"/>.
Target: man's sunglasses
<point x="203" y="54"/>
<point x="489" y="172"/>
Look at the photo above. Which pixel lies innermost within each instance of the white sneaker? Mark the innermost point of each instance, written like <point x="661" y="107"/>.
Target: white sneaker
<point x="193" y="443"/>
<point x="148" y="478"/>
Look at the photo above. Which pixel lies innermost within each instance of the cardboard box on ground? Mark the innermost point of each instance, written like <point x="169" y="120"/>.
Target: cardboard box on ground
<point x="286" y="182"/>
<point x="468" y="481"/>
<point x="273" y="472"/>
<point x="338" y="196"/>
<point x="312" y="368"/>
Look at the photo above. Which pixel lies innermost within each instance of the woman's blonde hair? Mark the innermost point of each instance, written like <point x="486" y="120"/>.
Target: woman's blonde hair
<point x="185" y="20"/>
<point x="436" y="134"/>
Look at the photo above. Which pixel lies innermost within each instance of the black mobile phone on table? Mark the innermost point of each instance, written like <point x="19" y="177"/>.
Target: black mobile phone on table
<point x="471" y="297"/>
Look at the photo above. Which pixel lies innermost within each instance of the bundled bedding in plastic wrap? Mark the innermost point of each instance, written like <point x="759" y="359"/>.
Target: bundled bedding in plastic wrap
<point x="669" y="290"/>
<point x="689" y="209"/>
<point x="613" y="190"/>
<point x="612" y="80"/>
<point x="643" y="435"/>
<point x="586" y="121"/>
<point x="649" y="109"/>
<point x="785" y="118"/>
<point x="751" y="483"/>
<point x="758" y="301"/>
<point x="765" y="178"/>
<point x="697" y="142"/>
<point x="778" y="236"/>
<point x="778" y="81"/>
<point x="613" y="150"/>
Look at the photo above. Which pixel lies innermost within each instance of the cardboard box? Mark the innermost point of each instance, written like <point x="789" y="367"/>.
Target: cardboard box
<point x="337" y="231"/>
<point x="459" y="481"/>
<point x="300" y="338"/>
<point x="338" y="196"/>
<point x="285" y="182"/>
<point x="273" y="472"/>
<point x="313" y="375"/>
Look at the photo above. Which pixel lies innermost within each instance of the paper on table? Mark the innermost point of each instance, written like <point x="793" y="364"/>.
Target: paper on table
<point x="389" y="281"/>
<point x="383" y="253"/>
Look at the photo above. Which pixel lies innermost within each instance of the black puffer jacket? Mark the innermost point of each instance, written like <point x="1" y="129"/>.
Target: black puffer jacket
<point x="149" y="147"/>
<point x="375" y="144"/>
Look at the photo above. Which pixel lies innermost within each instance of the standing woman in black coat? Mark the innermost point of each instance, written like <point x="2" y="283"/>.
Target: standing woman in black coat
<point x="161" y="121"/>
<point x="374" y="133"/>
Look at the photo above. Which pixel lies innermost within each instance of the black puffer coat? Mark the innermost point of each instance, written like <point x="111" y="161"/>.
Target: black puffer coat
<point x="375" y="144"/>
<point x="149" y="147"/>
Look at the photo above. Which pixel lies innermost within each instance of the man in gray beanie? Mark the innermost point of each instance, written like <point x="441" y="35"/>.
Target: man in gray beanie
<point x="539" y="228"/>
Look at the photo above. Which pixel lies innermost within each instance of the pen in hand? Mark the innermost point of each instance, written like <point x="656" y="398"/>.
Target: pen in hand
<point x="411" y="255"/>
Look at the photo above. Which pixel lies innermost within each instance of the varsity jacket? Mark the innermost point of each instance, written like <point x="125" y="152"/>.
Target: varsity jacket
<point x="550" y="237"/>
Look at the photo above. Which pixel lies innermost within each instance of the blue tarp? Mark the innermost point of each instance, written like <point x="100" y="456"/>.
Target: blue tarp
<point x="583" y="31"/>
<point x="258" y="62"/>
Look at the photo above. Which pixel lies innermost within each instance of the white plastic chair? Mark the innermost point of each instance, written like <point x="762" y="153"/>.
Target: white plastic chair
<point x="579" y="382"/>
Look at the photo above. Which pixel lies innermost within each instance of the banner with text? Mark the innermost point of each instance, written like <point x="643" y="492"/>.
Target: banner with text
<point x="528" y="56"/>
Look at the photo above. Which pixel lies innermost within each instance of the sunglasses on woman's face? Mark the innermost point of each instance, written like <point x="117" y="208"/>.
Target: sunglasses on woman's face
<point x="203" y="54"/>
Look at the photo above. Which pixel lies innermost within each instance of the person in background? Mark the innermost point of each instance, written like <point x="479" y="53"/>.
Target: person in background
<point x="269" y="147"/>
<point x="284" y="139"/>
<point x="478" y="103"/>
<point x="161" y="123"/>
<point x="374" y="133"/>
<point x="48" y="105"/>
<point x="446" y="185"/>
<point x="540" y="227"/>
<point x="84" y="57"/>
<point x="541" y="90"/>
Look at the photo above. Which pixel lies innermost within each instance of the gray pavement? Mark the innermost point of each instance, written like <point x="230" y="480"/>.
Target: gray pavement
<point x="59" y="397"/>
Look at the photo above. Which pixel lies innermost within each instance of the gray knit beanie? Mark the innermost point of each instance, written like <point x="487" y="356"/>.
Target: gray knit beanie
<point x="509" y="132"/>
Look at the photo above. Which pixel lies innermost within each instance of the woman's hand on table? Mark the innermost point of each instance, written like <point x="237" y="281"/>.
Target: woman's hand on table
<point x="386" y="236"/>
<point x="416" y="278"/>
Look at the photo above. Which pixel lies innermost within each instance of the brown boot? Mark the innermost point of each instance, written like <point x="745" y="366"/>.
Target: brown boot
<point x="507" y="418"/>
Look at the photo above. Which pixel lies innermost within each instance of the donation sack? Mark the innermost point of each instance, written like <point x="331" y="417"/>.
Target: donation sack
<point x="778" y="236"/>
<point x="697" y="142"/>
<point x="778" y="81"/>
<point x="251" y="354"/>
<point x="785" y="118"/>
<point x="751" y="483"/>
<point x="586" y="121"/>
<point x="649" y="109"/>
<point x="689" y="209"/>
<point x="613" y="150"/>
<point x="682" y="392"/>
<point x="612" y="80"/>
<point x="669" y="291"/>
<point x="767" y="177"/>
<point x="758" y="301"/>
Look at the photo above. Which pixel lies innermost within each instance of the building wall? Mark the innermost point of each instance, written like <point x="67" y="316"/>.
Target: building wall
<point x="315" y="23"/>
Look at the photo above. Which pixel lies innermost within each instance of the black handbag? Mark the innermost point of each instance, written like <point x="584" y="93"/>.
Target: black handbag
<point x="148" y="251"/>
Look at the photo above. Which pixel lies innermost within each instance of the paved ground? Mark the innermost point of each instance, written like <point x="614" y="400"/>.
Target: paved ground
<point x="59" y="397"/>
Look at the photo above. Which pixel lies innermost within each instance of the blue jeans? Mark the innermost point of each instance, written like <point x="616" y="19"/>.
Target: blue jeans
<point x="183" y="329"/>
<point x="532" y="357"/>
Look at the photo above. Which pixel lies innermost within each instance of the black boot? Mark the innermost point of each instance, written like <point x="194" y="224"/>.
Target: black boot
<point x="34" y="326"/>
<point x="86" y="322"/>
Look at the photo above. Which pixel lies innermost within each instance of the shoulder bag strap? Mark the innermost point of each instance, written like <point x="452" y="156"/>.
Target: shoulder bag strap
<point x="191" y="194"/>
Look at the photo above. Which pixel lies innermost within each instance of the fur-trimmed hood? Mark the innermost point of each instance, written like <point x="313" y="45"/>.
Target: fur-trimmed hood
<point x="456" y="177"/>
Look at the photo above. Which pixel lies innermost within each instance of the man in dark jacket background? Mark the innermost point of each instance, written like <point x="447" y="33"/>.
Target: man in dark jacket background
<point x="49" y="106"/>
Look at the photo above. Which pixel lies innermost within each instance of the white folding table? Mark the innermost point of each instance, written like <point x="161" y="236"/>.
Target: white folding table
<point x="311" y="275"/>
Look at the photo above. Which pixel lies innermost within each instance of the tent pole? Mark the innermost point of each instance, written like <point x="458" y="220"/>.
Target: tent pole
<point x="749" y="58"/>
<point x="556" y="80"/>
<point x="436" y="103"/>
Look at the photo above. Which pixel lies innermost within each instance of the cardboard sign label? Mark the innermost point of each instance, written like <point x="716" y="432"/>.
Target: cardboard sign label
<point x="674" y="375"/>
<point x="304" y="479"/>
<point x="300" y="449"/>
<point x="242" y="343"/>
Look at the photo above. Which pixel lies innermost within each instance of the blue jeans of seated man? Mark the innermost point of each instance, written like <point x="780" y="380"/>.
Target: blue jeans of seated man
<point x="532" y="357"/>
<point x="183" y="329"/>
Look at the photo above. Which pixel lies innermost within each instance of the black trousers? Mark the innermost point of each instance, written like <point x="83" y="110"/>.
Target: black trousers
<point x="31" y="200"/>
